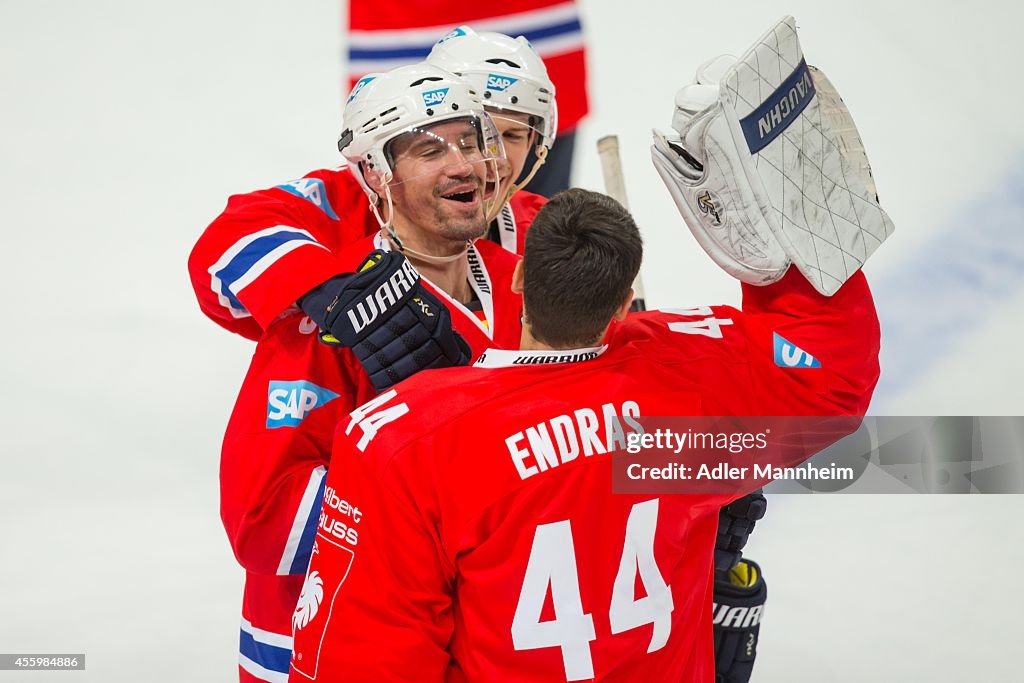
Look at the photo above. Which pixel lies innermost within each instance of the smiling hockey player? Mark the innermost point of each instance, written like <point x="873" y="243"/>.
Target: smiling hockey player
<point x="430" y="163"/>
<point x="271" y="247"/>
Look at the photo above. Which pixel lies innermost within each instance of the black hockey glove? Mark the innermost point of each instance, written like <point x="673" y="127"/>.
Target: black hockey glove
<point x="740" y="594"/>
<point x="735" y="522"/>
<point x="392" y="323"/>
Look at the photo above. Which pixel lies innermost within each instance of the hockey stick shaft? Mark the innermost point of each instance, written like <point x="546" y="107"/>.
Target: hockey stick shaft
<point x="615" y="187"/>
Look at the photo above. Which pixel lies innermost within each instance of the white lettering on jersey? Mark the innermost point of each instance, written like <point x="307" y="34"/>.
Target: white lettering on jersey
<point x="562" y="438"/>
<point x="340" y="529"/>
<point x="708" y="327"/>
<point x="370" y="419"/>
<point x="295" y="403"/>
<point x="288" y="403"/>
<point x="552" y="569"/>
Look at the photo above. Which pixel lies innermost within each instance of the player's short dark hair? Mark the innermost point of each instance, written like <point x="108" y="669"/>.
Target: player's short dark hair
<point x="582" y="253"/>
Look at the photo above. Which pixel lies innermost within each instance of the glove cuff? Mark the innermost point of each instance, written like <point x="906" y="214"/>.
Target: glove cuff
<point x="314" y="303"/>
<point x="740" y="595"/>
<point x="736" y="521"/>
<point x="741" y="586"/>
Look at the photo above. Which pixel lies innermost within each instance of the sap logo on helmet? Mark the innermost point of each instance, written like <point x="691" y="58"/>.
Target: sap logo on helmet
<point x="288" y="403"/>
<point x="434" y="97"/>
<point x="789" y="355"/>
<point x="500" y="83"/>
<point x="360" y="84"/>
<point x="454" y="34"/>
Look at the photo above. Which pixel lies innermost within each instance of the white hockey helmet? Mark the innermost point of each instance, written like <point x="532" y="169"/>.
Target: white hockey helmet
<point x="506" y="71"/>
<point x="384" y="106"/>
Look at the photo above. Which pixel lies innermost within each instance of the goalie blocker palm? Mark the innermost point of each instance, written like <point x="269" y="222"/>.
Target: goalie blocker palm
<point x="392" y="323"/>
<point x="768" y="169"/>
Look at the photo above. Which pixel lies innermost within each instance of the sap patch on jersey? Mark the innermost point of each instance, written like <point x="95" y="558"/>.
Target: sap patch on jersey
<point x="288" y="403"/>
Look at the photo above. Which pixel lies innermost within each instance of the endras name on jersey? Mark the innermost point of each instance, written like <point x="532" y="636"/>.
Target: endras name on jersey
<point x="561" y="439"/>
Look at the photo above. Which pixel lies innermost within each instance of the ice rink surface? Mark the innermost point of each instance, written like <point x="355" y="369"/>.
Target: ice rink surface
<point x="125" y="126"/>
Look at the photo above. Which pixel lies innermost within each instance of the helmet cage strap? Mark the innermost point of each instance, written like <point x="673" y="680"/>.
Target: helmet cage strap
<point x="542" y="156"/>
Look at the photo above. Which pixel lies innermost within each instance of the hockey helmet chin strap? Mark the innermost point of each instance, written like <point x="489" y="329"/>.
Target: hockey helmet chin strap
<point x="542" y="156"/>
<point x="414" y="255"/>
<point x="388" y="231"/>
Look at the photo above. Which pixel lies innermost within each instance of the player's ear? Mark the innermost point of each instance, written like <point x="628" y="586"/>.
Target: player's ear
<point x="374" y="180"/>
<point x="623" y="310"/>
<point x="517" y="278"/>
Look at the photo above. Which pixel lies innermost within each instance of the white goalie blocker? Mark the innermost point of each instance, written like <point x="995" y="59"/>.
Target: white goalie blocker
<point x="768" y="169"/>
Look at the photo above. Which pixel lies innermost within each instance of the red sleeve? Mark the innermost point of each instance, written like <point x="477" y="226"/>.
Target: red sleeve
<point x="378" y="599"/>
<point x="270" y="247"/>
<point x="278" y="442"/>
<point x="790" y="351"/>
<point x="825" y="349"/>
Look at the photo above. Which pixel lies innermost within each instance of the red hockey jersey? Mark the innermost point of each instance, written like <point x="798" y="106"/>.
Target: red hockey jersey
<point x="273" y="463"/>
<point x="453" y="545"/>
<point x="278" y="444"/>
<point x="270" y="247"/>
<point x="385" y="35"/>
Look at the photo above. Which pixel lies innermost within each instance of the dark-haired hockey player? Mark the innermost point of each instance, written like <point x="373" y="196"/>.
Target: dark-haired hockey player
<point x="488" y="544"/>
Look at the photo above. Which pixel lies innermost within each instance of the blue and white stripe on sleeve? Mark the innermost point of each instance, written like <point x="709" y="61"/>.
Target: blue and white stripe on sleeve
<point x="249" y="257"/>
<point x="264" y="654"/>
<point x="299" y="548"/>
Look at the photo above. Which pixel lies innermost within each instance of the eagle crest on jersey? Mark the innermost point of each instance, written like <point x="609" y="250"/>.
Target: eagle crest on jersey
<point x="309" y="601"/>
<point x="768" y="168"/>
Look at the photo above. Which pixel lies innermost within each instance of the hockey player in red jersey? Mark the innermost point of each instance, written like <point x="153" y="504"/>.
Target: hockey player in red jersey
<point x="270" y="247"/>
<point x="488" y="545"/>
<point x="432" y="169"/>
<point x="456" y="544"/>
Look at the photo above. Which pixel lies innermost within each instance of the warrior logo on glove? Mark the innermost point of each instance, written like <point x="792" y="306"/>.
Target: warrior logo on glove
<point x="383" y="312"/>
<point x="390" y="294"/>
